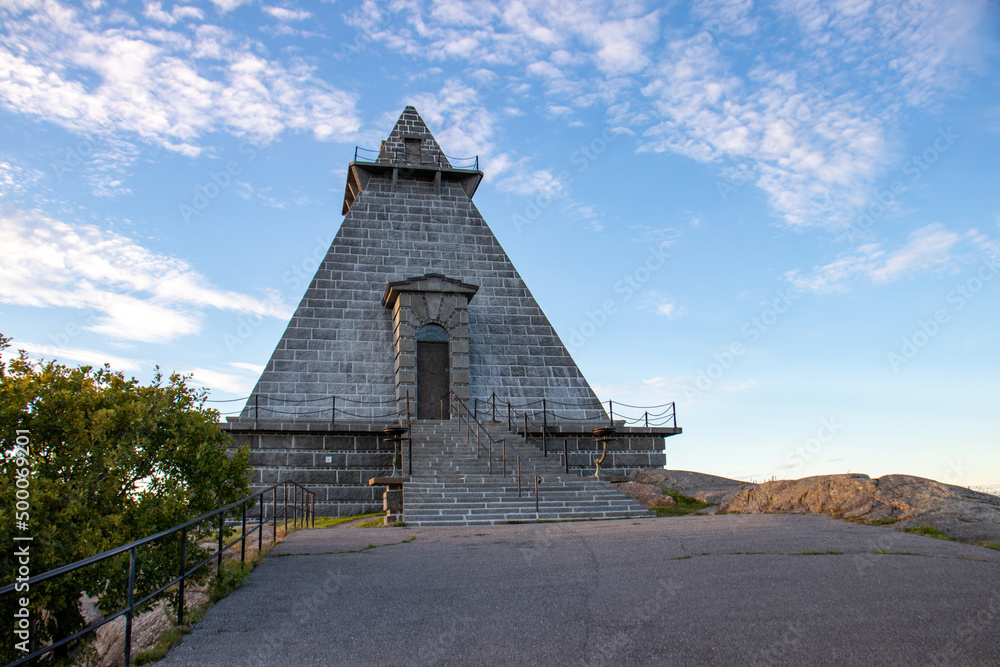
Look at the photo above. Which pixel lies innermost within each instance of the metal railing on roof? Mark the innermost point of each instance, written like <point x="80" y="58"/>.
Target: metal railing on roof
<point x="372" y="155"/>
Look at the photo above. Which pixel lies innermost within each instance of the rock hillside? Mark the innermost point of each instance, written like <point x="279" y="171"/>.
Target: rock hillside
<point x="909" y="501"/>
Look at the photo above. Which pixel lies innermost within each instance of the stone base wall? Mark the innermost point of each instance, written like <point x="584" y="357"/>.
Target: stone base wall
<point x="300" y="451"/>
<point x="631" y="449"/>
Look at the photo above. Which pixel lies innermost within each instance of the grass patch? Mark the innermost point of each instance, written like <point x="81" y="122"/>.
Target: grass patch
<point x="377" y="522"/>
<point x="685" y="504"/>
<point x="817" y="553"/>
<point x="883" y="522"/>
<point x="331" y="521"/>
<point x="988" y="545"/>
<point x="928" y="531"/>
<point x="166" y="641"/>
<point x="233" y="575"/>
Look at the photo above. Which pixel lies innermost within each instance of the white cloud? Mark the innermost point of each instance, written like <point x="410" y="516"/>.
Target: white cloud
<point x="662" y="305"/>
<point x="285" y="14"/>
<point x="166" y="87"/>
<point x="68" y="355"/>
<point x="226" y="6"/>
<point x="928" y="248"/>
<point x="133" y="293"/>
<point x="810" y="120"/>
<point x="227" y="382"/>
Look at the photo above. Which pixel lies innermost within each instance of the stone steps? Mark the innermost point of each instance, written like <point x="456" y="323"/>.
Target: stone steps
<point x="450" y="484"/>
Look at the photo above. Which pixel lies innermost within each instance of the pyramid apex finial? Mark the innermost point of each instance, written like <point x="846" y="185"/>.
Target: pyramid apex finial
<point x="411" y="143"/>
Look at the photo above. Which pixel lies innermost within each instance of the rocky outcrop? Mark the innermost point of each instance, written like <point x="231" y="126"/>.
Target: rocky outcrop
<point x="959" y="512"/>
<point x="649" y="495"/>
<point x="709" y="489"/>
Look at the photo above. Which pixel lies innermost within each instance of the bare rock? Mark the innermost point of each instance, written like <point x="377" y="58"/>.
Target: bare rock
<point x="959" y="512"/>
<point x="649" y="495"/>
<point x="710" y="489"/>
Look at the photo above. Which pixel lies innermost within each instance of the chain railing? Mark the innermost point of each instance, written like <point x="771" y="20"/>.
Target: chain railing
<point x="653" y="416"/>
<point x="303" y="509"/>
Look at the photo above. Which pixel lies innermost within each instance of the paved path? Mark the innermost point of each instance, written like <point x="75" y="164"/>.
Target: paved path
<point x="722" y="590"/>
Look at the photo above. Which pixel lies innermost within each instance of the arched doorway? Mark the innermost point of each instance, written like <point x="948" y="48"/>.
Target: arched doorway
<point x="433" y="376"/>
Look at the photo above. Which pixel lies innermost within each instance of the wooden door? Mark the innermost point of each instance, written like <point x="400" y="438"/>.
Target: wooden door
<point x="433" y="380"/>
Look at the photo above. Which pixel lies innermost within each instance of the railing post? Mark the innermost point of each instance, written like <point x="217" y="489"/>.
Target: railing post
<point x="510" y="423"/>
<point x="646" y="414"/>
<point x="611" y="412"/>
<point x="566" y="455"/>
<point x="260" y="526"/>
<point x="494" y="406"/>
<point x="183" y="575"/>
<point x="333" y="411"/>
<point x="284" y="500"/>
<point x="545" y="428"/>
<point x="128" y="614"/>
<point x="477" y="438"/>
<point x="243" y="537"/>
<point x="274" y="515"/>
<point x="218" y="557"/>
<point x="673" y="412"/>
<point x="504" y="460"/>
<point x="256" y="410"/>
<point x="536" y="497"/>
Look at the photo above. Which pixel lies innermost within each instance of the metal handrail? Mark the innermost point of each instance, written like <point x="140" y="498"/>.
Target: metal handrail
<point x="454" y="399"/>
<point x="474" y="159"/>
<point x="308" y="513"/>
<point x="667" y="417"/>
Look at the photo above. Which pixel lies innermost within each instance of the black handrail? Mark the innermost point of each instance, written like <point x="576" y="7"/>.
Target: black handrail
<point x="454" y="400"/>
<point x="308" y="512"/>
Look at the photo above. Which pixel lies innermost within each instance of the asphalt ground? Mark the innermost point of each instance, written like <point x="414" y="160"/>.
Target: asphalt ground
<point x="701" y="590"/>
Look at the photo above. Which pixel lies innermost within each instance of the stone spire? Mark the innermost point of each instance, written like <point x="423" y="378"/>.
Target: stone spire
<point x="410" y="228"/>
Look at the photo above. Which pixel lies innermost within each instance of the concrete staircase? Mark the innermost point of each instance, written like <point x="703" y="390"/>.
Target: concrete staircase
<point x="450" y="485"/>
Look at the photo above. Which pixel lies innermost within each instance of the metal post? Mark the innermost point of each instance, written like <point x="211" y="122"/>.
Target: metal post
<point x="314" y="510"/>
<point x="256" y="409"/>
<point x="545" y="428"/>
<point x="218" y="557"/>
<point x="260" y="526"/>
<point x="128" y="614"/>
<point x="504" y="460"/>
<point x="274" y="515"/>
<point x="243" y="538"/>
<point x="333" y="412"/>
<point x="646" y="414"/>
<point x="566" y="455"/>
<point x="536" y="497"/>
<point x="510" y="423"/>
<point x="477" y="438"/>
<point x="494" y="406"/>
<point x="284" y="500"/>
<point x="183" y="575"/>
<point x="673" y="412"/>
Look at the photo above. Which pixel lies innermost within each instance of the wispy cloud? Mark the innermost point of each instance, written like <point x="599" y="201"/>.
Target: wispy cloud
<point x="70" y="355"/>
<point x="135" y="294"/>
<point x="811" y="121"/>
<point x="928" y="248"/>
<point x="164" y="84"/>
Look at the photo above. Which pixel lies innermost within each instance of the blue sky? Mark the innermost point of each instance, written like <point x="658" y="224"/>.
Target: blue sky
<point x="785" y="215"/>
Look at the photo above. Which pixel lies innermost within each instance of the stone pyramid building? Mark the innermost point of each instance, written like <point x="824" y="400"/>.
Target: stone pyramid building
<point x="415" y="306"/>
